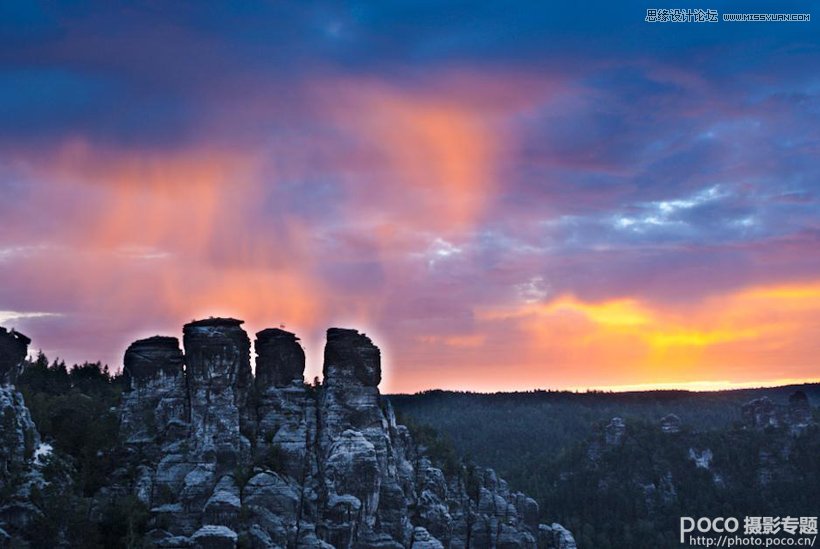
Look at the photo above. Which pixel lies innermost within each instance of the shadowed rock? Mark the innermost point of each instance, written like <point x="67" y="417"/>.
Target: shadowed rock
<point x="217" y="357"/>
<point x="19" y="440"/>
<point x="350" y="355"/>
<point x="155" y="405"/>
<point x="285" y="418"/>
<point x="217" y="353"/>
<point x="760" y="413"/>
<point x="763" y="413"/>
<point x="555" y="537"/>
<point x="147" y="359"/>
<point x="670" y="424"/>
<point x="280" y="360"/>
<point x="799" y="409"/>
<point x="614" y="432"/>
<point x="13" y="350"/>
<point x="327" y="467"/>
<point x="351" y="411"/>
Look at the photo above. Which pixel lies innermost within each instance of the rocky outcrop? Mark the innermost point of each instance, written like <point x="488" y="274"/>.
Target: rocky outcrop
<point x="760" y="413"/>
<point x="218" y="368"/>
<point x="280" y="360"/>
<point x="13" y="349"/>
<point x="670" y="424"/>
<point x="763" y="412"/>
<point x="224" y="459"/>
<point x="155" y="410"/>
<point x="227" y="459"/>
<point x="285" y="415"/>
<point x="614" y="432"/>
<point x="19" y="442"/>
<point x="701" y="458"/>
<point x="555" y="536"/>
<point x="799" y="410"/>
<point x="18" y="435"/>
<point x="354" y="432"/>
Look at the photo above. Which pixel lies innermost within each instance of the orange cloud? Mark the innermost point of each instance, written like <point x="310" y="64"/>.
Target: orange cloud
<point x="158" y="200"/>
<point x="430" y="158"/>
<point x="174" y="235"/>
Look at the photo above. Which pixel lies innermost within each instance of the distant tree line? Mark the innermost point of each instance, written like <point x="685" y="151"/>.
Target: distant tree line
<point x="541" y="443"/>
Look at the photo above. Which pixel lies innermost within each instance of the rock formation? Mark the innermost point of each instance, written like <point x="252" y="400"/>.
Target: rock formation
<point x="555" y="536"/>
<point x="614" y="432"/>
<point x="799" y="410"/>
<point x="670" y="424"/>
<point x="13" y="349"/>
<point x="280" y="360"/>
<point x="763" y="412"/>
<point x="223" y="458"/>
<point x="155" y="408"/>
<point x="760" y="413"/>
<point x="19" y="440"/>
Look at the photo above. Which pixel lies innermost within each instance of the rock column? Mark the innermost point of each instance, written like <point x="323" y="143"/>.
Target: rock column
<point x="217" y="355"/>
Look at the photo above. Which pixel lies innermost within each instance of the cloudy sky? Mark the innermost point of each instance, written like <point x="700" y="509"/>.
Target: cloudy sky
<point x="504" y="195"/>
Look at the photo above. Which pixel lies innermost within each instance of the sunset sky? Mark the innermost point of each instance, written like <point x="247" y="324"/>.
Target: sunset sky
<point x="504" y="195"/>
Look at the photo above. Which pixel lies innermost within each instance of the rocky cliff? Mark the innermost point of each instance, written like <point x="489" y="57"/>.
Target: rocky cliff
<point x="223" y="458"/>
<point x="275" y="463"/>
<point x="19" y="439"/>
<point x="226" y="458"/>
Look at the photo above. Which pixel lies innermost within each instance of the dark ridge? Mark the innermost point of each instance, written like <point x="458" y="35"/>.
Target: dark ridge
<point x="276" y="333"/>
<point x="214" y="322"/>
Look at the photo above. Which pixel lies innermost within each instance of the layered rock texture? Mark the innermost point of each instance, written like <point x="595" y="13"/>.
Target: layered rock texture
<point x="19" y="440"/>
<point x="226" y="459"/>
<point x="13" y="349"/>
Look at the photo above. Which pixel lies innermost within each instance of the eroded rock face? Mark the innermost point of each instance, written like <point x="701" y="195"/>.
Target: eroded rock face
<point x="763" y="412"/>
<point x="18" y="435"/>
<point x="799" y="409"/>
<point x="155" y="409"/>
<point x="223" y="460"/>
<point x="350" y="398"/>
<point x="760" y="413"/>
<point x="350" y="355"/>
<point x="217" y="355"/>
<point x="280" y="359"/>
<point x="614" y="432"/>
<point x="19" y="442"/>
<point x="13" y="350"/>
<point x="670" y="424"/>
<point x="272" y="462"/>
<point x="217" y="358"/>
<point x="555" y="537"/>
<point x="285" y="416"/>
<point x="149" y="360"/>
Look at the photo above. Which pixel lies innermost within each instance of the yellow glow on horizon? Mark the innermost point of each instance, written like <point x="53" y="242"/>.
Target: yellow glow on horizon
<point x="698" y="338"/>
<point x="786" y="291"/>
<point x="697" y="386"/>
<point x="629" y="342"/>
<point x="620" y="312"/>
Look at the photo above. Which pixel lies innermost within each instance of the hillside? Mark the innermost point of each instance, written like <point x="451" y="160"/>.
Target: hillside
<point x="619" y="469"/>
